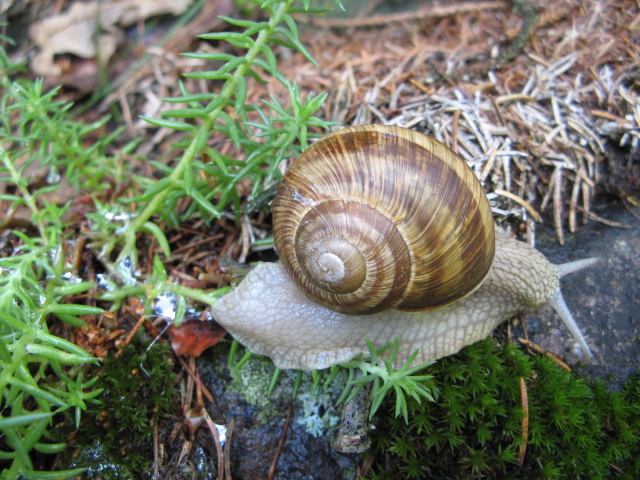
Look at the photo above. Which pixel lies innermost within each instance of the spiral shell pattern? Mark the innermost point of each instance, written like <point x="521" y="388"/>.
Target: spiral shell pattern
<point x="374" y="217"/>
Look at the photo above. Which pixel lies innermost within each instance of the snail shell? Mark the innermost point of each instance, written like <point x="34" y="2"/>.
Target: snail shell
<point x="376" y="217"/>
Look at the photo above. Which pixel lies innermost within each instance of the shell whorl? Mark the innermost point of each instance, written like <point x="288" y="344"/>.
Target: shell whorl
<point x="375" y="217"/>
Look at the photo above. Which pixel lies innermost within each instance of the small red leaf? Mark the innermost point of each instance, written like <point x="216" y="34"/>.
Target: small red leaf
<point x="195" y="336"/>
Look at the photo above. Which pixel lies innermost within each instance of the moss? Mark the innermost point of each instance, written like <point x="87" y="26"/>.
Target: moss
<point x="101" y="465"/>
<point x="138" y="390"/>
<point x="577" y="429"/>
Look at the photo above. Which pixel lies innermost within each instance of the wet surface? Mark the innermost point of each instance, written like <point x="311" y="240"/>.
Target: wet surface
<point x="604" y="299"/>
<point x="259" y="421"/>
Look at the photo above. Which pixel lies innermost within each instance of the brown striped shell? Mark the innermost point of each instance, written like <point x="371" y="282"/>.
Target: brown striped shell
<point x="375" y="217"/>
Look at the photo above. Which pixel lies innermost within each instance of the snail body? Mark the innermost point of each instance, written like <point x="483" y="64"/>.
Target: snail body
<point x="389" y="234"/>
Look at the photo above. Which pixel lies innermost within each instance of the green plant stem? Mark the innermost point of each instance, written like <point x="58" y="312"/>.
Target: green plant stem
<point x="150" y="293"/>
<point x="63" y="139"/>
<point x="19" y="352"/>
<point x="195" y="146"/>
<point x="198" y="295"/>
<point x="26" y="195"/>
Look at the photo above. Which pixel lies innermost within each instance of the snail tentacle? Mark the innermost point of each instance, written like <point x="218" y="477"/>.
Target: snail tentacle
<point x="556" y="300"/>
<point x="570" y="267"/>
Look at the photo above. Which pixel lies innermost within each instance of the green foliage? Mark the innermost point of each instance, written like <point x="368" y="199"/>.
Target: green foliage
<point x="41" y="375"/>
<point x="42" y="133"/>
<point x="137" y="390"/>
<point x="474" y="428"/>
<point x="263" y="134"/>
<point x="385" y="379"/>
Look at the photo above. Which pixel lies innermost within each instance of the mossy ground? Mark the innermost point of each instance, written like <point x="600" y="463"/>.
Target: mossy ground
<point x="115" y="439"/>
<point x="576" y="429"/>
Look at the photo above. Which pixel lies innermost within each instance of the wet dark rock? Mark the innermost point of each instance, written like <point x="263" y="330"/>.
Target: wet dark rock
<point x="103" y="465"/>
<point x="604" y="299"/>
<point x="259" y="420"/>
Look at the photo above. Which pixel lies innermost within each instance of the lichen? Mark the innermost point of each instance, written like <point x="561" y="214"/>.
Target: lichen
<point x="317" y="411"/>
<point x="252" y="381"/>
<point x="319" y="414"/>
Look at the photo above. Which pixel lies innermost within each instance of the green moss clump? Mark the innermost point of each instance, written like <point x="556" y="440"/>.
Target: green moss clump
<point x="138" y="389"/>
<point x="474" y="430"/>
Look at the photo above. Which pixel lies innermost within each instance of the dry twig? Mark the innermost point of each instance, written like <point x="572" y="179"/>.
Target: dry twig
<point x="525" y="421"/>
<point x="429" y="11"/>
<point x="274" y="463"/>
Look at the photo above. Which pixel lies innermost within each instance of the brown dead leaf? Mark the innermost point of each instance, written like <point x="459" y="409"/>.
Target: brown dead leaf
<point x="74" y="31"/>
<point x="194" y="336"/>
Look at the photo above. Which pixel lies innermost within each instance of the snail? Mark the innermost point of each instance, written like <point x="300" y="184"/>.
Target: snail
<point x="385" y="232"/>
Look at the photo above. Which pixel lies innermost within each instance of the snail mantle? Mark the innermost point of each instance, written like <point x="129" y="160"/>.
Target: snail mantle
<point x="384" y="232"/>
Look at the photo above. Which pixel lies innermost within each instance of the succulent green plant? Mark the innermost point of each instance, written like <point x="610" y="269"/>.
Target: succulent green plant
<point x="41" y="374"/>
<point x="265" y="134"/>
<point x="385" y="379"/>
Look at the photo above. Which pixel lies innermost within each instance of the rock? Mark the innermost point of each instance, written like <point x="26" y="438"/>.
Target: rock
<point x="605" y="299"/>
